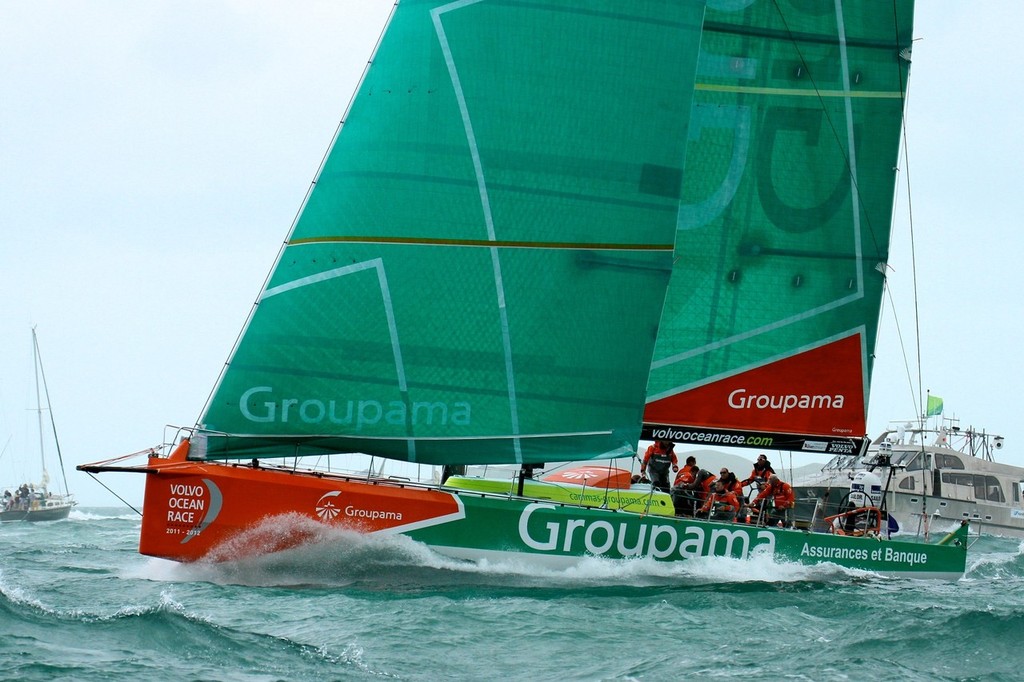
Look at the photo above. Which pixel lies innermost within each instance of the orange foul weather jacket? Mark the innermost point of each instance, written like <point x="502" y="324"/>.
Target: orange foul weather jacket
<point x="761" y="472"/>
<point x="686" y="476"/>
<point x="721" y="502"/>
<point x="658" y="459"/>
<point x="781" y="493"/>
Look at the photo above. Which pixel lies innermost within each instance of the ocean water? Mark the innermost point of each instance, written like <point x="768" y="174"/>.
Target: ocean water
<point x="77" y="602"/>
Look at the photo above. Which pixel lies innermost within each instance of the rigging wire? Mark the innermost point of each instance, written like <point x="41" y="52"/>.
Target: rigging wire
<point x="910" y="226"/>
<point x="902" y="54"/>
<point x="124" y="501"/>
<point x="903" y="349"/>
<point x="915" y="391"/>
<point x="919" y="404"/>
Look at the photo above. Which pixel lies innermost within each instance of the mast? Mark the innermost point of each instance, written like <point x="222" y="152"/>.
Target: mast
<point x="39" y="407"/>
<point x="41" y="379"/>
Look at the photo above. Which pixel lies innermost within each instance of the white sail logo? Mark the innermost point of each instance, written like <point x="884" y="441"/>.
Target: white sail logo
<point x="357" y="413"/>
<point x="741" y="400"/>
<point x="325" y="507"/>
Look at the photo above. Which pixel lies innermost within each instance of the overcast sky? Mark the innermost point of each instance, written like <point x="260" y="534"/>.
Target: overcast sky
<point x="153" y="155"/>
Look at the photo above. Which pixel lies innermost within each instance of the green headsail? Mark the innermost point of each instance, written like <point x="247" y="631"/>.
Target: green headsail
<point x="783" y="237"/>
<point x="478" y="272"/>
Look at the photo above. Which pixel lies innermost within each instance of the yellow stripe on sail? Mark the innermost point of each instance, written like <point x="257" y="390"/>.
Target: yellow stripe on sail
<point x="501" y="244"/>
<point x="799" y="92"/>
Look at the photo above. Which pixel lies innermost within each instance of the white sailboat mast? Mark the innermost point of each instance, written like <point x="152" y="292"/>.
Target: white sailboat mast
<point x="37" y="363"/>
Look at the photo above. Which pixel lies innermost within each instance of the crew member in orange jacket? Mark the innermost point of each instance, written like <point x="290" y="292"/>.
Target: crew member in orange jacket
<point x="762" y="470"/>
<point x="703" y="483"/>
<point x="781" y="494"/>
<point x="721" y="504"/>
<point x="687" y="473"/>
<point x="687" y="497"/>
<point x="657" y="460"/>
<point x="731" y="482"/>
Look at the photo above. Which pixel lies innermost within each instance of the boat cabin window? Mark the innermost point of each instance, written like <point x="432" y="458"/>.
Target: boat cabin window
<point x="985" y="487"/>
<point x="994" y="491"/>
<point x="910" y="459"/>
<point x="944" y="461"/>
<point x="1016" y="491"/>
<point x="907" y="483"/>
<point x="980" y="489"/>
<point x="958" y="479"/>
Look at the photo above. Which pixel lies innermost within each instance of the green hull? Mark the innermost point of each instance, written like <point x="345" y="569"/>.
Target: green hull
<point x="638" y="500"/>
<point x="223" y="502"/>
<point x="558" y="535"/>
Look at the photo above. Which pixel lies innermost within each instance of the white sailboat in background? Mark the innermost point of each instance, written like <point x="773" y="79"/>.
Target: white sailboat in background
<point x="35" y="501"/>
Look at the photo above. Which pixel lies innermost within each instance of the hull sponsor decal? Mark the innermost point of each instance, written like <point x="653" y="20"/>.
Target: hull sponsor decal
<point x="186" y="500"/>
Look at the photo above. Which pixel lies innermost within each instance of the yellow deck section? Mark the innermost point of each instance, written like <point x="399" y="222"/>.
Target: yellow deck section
<point x="639" y="499"/>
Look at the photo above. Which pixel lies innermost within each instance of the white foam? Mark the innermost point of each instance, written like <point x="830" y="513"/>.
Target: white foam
<point x="331" y="555"/>
<point x="81" y="515"/>
<point x="17" y="595"/>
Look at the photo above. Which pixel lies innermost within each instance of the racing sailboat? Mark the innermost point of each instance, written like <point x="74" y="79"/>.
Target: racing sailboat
<point x="36" y="501"/>
<point x="543" y="232"/>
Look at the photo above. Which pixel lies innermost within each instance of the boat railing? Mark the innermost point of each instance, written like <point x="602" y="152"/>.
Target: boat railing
<point x="946" y="434"/>
<point x="858" y="521"/>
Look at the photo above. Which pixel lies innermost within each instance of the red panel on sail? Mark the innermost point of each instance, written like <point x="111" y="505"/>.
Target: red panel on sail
<point x="817" y="392"/>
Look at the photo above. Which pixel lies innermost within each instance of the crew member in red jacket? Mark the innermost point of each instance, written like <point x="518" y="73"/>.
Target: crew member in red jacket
<point x="781" y="495"/>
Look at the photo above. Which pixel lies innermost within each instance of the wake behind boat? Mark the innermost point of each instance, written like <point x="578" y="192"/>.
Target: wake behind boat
<point x="35" y="501"/>
<point x="599" y="224"/>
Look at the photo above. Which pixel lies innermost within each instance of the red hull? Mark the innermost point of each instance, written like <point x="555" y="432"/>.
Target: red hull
<point x="196" y="510"/>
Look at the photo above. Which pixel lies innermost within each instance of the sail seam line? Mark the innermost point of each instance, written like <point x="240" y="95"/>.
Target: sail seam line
<point x="764" y="363"/>
<point x="474" y="150"/>
<point x="377" y="265"/>
<point x="852" y="147"/>
<point x="736" y="338"/>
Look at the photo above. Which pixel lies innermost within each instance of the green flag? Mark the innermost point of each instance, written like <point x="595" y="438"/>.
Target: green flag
<point x="934" y="406"/>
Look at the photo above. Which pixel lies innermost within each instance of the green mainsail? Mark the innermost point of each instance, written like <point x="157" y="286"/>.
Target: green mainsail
<point x="478" y="272"/>
<point x="783" y="234"/>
